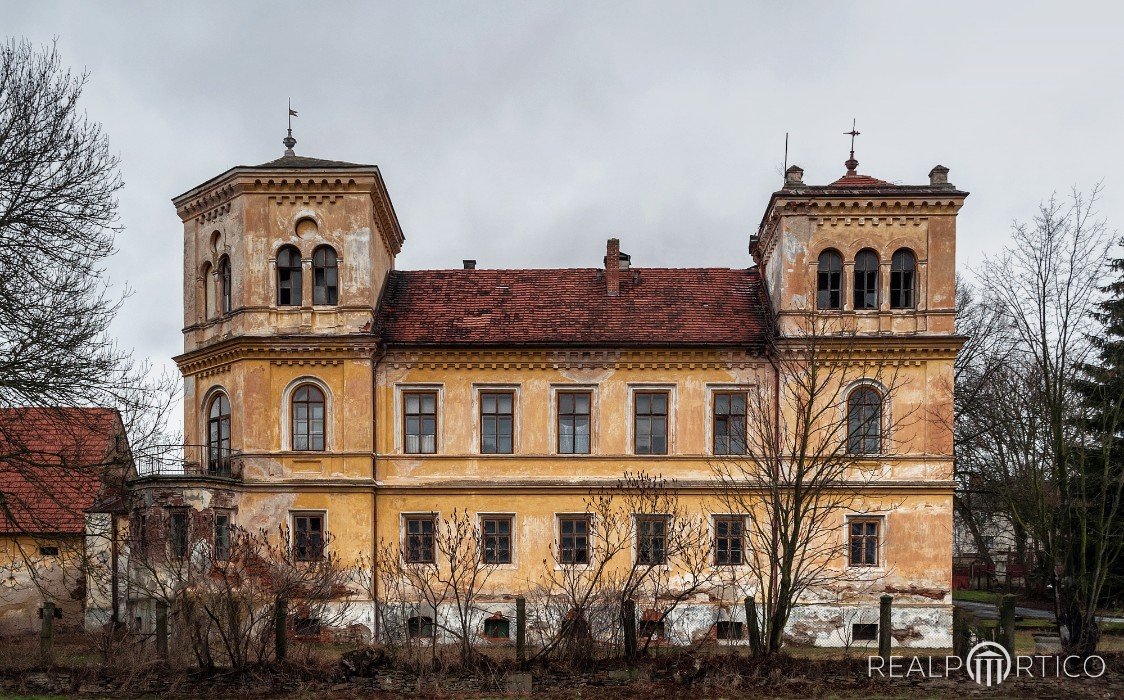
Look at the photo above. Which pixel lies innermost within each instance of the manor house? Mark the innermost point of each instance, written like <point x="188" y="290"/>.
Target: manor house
<point x="358" y="405"/>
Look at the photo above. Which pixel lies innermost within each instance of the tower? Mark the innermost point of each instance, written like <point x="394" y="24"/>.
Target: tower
<point x="878" y="257"/>
<point x="284" y="263"/>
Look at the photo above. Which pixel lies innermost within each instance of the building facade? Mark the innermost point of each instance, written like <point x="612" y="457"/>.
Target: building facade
<point x="328" y="393"/>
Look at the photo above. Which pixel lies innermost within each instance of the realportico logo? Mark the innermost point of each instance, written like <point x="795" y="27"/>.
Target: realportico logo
<point x="988" y="664"/>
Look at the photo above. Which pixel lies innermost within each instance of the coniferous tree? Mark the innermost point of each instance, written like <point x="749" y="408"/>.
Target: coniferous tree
<point x="1101" y="388"/>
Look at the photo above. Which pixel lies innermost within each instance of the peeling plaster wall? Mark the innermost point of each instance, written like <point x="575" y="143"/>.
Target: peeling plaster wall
<point x="364" y="482"/>
<point x="28" y="579"/>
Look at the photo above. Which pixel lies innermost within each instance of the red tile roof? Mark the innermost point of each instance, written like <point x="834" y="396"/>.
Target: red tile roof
<point x="53" y="465"/>
<point x="859" y="181"/>
<point x="656" y="307"/>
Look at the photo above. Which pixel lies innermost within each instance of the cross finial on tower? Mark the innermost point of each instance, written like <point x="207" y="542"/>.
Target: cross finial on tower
<point x="289" y="141"/>
<point x="851" y="163"/>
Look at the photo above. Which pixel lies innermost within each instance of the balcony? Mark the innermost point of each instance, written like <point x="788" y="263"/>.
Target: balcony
<point x="188" y="461"/>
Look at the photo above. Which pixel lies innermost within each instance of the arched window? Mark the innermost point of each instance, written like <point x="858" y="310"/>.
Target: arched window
<point x="864" y="421"/>
<point x="866" y="280"/>
<point x="308" y="418"/>
<point x="207" y="282"/>
<point x="288" y="276"/>
<point x="829" y="280"/>
<point x="224" y="283"/>
<point x="218" y="436"/>
<point x="325" y="276"/>
<point x="903" y="280"/>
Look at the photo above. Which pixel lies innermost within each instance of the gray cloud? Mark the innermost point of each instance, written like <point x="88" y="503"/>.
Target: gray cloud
<point x="524" y="134"/>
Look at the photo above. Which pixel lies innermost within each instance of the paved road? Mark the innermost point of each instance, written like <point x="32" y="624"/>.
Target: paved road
<point x="991" y="610"/>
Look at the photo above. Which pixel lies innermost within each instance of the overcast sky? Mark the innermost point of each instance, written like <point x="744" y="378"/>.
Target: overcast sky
<point x="525" y="134"/>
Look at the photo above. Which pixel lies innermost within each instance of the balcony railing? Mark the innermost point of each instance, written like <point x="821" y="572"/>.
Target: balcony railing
<point x="189" y="461"/>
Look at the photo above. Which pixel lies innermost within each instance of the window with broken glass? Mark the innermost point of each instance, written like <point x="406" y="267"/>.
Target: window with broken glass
<point x="419" y="539"/>
<point x="573" y="535"/>
<point x="497" y="539"/>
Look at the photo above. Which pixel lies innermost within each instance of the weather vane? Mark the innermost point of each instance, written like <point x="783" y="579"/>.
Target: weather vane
<point x="289" y="141"/>
<point x="851" y="163"/>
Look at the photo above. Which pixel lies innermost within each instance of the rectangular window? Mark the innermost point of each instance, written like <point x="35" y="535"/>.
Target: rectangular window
<point x="573" y="422"/>
<point x="222" y="537"/>
<point x="573" y="538"/>
<point x="420" y="627"/>
<point x="650" y="423"/>
<point x="729" y="423"/>
<point x="651" y="539"/>
<point x="864" y="541"/>
<point x="306" y="626"/>
<point x="419" y="539"/>
<point x="48" y="551"/>
<point x="729" y="629"/>
<point x="864" y="632"/>
<point x="729" y="541"/>
<point x="653" y="629"/>
<point x="420" y="418"/>
<point x="497" y="628"/>
<point x="177" y="534"/>
<point x="497" y="539"/>
<point x="308" y="536"/>
<point x="497" y="422"/>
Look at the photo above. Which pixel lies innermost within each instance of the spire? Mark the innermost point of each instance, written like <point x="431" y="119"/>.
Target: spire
<point x="289" y="141"/>
<point x="852" y="164"/>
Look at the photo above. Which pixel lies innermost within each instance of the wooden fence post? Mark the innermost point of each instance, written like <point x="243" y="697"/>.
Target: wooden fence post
<point x="751" y="625"/>
<point x="628" y="621"/>
<point x="961" y="632"/>
<point x="521" y="629"/>
<point x="884" y="626"/>
<point x="162" y="629"/>
<point x="280" y="641"/>
<point x="1007" y="623"/>
<point x="47" y="634"/>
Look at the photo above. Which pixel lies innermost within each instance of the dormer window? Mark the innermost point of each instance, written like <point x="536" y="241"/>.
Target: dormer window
<point x="288" y="276"/>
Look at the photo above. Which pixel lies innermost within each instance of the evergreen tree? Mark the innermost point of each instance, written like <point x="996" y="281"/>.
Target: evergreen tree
<point x="1101" y="388"/>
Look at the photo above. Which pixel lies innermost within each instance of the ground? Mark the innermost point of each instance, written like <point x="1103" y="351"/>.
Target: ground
<point x="714" y="672"/>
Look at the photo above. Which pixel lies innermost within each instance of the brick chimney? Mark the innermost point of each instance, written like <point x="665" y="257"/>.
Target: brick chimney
<point x="613" y="267"/>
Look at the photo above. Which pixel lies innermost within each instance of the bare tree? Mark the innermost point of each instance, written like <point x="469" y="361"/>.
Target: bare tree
<point x="222" y="596"/>
<point x="1047" y="285"/>
<point x="58" y="220"/>
<point x="980" y="367"/>
<point x="801" y="470"/>
<point x="447" y="569"/>
<point x="58" y="214"/>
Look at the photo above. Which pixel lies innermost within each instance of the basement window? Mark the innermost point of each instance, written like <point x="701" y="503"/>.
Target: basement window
<point x="652" y="629"/>
<point x="864" y="632"/>
<point x="497" y="628"/>
<point x="419" y="626"/>
<point x="729" y="629"/>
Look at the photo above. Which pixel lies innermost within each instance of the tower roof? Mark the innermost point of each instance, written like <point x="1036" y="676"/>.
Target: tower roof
<point x="304" y="162"/>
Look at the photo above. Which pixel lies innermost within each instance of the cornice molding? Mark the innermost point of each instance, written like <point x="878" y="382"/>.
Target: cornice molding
<point x="283" y="350"/>
<point x="548" y="359"/>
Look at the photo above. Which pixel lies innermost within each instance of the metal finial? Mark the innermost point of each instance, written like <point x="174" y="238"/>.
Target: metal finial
<point x="289" y="141"/>
<point x="851" y="163"/>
